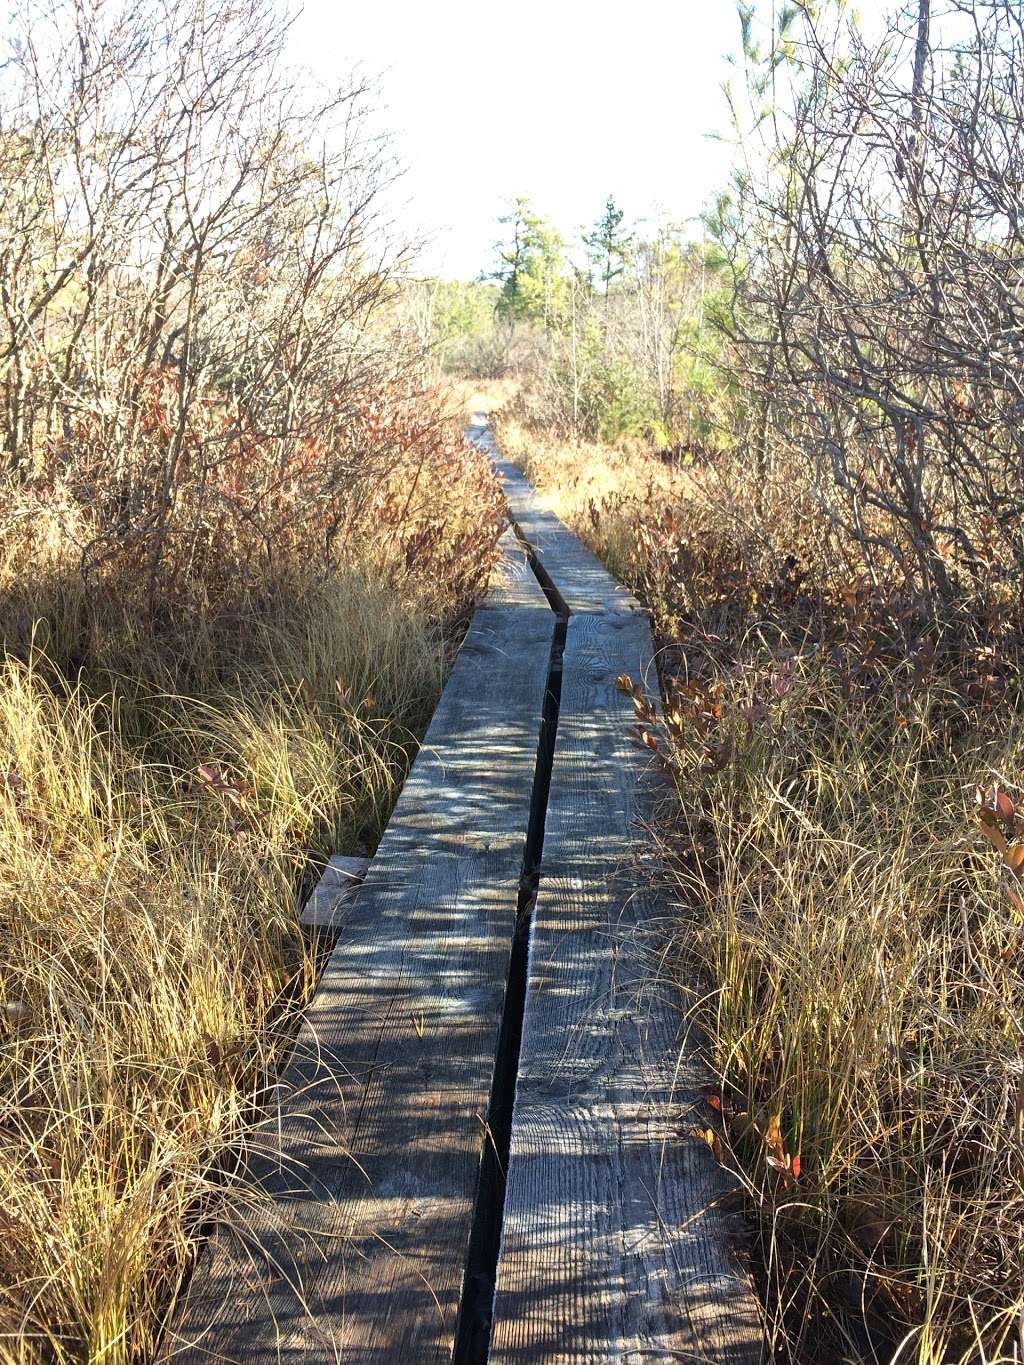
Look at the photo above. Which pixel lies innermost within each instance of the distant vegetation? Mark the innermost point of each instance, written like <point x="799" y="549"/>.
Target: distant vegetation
<point x="797" y="434"/>
<point x="612" y="332"/>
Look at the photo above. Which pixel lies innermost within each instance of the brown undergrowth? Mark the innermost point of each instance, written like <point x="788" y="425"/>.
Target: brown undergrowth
<point x="845" y="842"/>
<point x="180" y="736"/>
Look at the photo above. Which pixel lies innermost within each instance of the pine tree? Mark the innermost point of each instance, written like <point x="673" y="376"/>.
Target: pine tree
<point x="531" y="267"/>
<point x="608" y="245"/>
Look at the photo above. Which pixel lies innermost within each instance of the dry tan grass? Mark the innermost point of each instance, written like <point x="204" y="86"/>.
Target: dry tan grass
<point x="863" y="949"/>
<point x="849" y="941"/>
<point x="593" y="488"/>
<point x="151" y="951"/>
<point x="465" y="397"/>
<point x="164" y="783"/>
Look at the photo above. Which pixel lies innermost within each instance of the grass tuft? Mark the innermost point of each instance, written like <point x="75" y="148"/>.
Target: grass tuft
<point x="844" y="843"/>
<point x="172" y="773"/>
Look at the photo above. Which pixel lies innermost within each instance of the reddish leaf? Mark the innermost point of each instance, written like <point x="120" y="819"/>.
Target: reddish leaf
<point x="214" y="1055"/>
<point x="1004" y="807"/>
<point x="992" y="830"/>
<point x="718" y="757"/>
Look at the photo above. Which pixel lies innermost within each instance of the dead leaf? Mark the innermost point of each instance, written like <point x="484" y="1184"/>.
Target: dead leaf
<point x="712" y="1139"/>
<point x="992" y="830"/>
<point x="1004" y="808"/>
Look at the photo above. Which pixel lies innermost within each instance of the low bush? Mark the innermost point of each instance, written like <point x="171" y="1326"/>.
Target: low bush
<point x="844" y="843"/>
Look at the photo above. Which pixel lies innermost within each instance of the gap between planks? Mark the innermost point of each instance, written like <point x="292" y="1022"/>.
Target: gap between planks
<point x="612" y="1247"/>
<point x="351" y="1239"/>
<point x="614" y="1243"/>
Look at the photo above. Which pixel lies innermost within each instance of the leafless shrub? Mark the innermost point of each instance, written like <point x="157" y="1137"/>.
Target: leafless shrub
<point x="878" y="304"/>
<point x="191" y="251"/>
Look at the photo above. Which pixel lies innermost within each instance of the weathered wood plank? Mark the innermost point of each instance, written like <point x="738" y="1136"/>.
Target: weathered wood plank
<point x="340" y="880"/>
<point x="513" y="583"/>
<point x="612" y="1248"/>
<point x="352" y="1247"/>
<point x="582" y="581"/>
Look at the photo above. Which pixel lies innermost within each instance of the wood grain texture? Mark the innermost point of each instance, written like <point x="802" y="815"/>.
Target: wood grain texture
<point x="352" y="1244"/>
<point x="328" y="903"/>
<point x="583" y="582"/>
<point x="613" y="1248"/>
<point x="513" y="583"/>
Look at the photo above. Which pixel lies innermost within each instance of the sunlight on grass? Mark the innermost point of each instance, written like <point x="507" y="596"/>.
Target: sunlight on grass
<point x="849" y="938"/>
<point x="165" y="795"/>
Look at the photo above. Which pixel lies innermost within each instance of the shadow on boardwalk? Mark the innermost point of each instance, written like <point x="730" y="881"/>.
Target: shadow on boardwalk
<point x="614" y="1246"/>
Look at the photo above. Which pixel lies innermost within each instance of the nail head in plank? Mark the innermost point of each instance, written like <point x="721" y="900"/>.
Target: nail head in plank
<point x="353" y="1242"/>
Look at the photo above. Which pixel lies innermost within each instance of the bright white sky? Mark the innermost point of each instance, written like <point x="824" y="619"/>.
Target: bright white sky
<point x="561" y="100"/>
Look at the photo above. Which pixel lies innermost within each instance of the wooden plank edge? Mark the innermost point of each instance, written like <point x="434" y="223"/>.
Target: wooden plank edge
<point x="512" y="582"/>
<point x="577" y="574"/>
<point x="338" y="884"/>
<point x="178" y="1339"/>
<point x="639" y="1260"/>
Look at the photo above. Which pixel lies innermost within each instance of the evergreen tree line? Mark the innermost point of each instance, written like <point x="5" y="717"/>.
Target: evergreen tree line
<point x="610" y="329"/>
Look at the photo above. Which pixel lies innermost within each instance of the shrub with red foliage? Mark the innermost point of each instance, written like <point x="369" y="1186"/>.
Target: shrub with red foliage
<point x="230" y="513"/>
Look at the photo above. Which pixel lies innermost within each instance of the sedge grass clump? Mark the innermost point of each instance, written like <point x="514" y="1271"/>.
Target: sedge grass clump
<point x="149" y="961"/>
<point x="863" y="944"/>
<point x="844" y="844"/>
<point x="173" y="767"/>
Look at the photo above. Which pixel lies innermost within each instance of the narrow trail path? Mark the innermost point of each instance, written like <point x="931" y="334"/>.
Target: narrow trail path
<point x="483" y="1148"/>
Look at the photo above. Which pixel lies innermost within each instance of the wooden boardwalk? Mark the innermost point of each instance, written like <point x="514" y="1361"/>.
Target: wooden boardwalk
<point x="482" y="1150"/>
